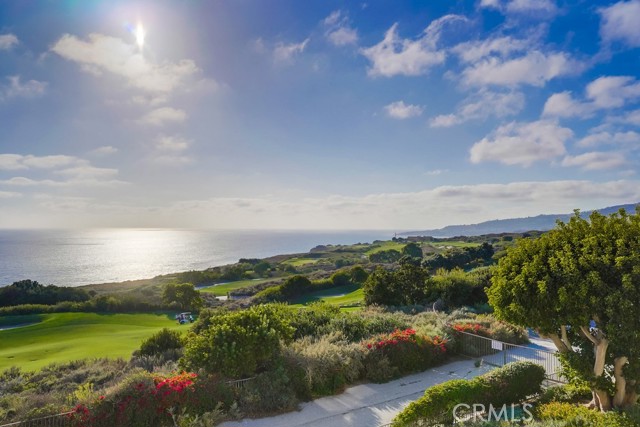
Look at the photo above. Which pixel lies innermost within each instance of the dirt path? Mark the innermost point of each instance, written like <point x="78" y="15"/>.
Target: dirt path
<point x="366" y="405"/>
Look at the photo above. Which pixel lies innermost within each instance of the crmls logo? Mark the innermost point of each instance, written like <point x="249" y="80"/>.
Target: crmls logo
<point x="479" y="412"/>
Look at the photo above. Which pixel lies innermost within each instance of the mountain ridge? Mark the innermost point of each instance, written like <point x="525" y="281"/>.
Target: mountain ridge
<point x="540" y="222"/>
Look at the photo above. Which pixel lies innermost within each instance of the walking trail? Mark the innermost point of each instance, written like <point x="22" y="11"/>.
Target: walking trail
<point x="366" y="405"/>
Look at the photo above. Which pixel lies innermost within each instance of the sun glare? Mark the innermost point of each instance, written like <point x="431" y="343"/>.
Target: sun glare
<point x="139" y="33"/>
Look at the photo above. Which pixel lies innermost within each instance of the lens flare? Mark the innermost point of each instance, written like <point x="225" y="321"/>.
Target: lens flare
<point x="139" y="33"/>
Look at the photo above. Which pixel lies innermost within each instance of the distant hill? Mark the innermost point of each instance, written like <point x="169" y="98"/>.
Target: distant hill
<point x="512" y="225"/>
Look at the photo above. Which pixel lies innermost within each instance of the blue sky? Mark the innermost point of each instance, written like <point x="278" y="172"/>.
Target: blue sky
<point x="315" y="114"/>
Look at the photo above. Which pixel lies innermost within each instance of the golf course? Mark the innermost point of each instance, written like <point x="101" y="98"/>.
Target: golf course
<point x="59" y="337"/>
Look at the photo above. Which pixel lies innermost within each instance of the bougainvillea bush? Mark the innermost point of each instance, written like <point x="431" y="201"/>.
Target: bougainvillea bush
<point x="405" y="350"/>
<point x="145" y="399"/>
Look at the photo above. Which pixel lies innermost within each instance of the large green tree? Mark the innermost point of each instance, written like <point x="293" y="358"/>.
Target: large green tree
<point x="579" y="285"/>
<point x="184" y="295"/>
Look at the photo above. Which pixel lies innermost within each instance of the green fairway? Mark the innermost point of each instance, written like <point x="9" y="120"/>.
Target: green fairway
<point x="62" y="337"/>
<point x="299" y="262"/>
<point x="341" y="295"/>
<point x="454" y="244"/>
<point x="223" y="288"/>
<point x="385" y="246"/>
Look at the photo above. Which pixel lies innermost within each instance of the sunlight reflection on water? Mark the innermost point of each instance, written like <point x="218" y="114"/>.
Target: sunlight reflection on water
<point x="73" y="258"/>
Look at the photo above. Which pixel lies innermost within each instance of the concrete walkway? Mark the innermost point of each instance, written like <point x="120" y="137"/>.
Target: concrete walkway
<point x="366" y="405"/>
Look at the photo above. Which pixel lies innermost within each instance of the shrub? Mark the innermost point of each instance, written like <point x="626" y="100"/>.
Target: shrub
<point x="239" y="343"/>
<point x="406" y="351"/>
<point x="140" y="400"/>
<point x="270" y="392"/>
<point x="161" y="342"/>
<point x="509" y="384"/>
<point x="566" y="393"/>
<point x="580" y="416"/>
<point x="328" y="363"/>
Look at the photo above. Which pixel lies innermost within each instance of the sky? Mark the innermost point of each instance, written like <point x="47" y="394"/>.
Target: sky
<point x="315" y="114"/>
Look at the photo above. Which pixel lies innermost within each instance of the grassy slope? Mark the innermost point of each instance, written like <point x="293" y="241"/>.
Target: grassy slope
<point x="222" y="289"/>
<point x="341" y="295"/>
<point x="386" y="246"/>
<point x="68" y="336"/>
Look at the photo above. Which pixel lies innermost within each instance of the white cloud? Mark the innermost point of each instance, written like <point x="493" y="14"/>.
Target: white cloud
<point x="164" y="115"/>
<point x="11" y="162"/>
<point x="430" y="208"/>
<point x="105" y="150"/>
<point x="172" y="143"/>
<point x="8" y="41"/>
<point x="619" y="22"/>
<point x="564" y="105"/>
<point x="481" y="106"/>
<point x="595" y="160"/>
<point x="474" y="51"/>
<point x="78" y="172"/>
<point x="21" y="181"/>
<point x="9" y="194"/>
<point x="400" y="110"/>
<point x="104" y="53"/>
<point x="535" y="69"/>
<point x="395" y="56"/>
<point x="338" y="31"/>
<point x="528" y="8"/>
<point x="88" y="171"/>
<point x="284" y="53"/>
<point x="18" y="89"/>
<point x="522" y="143"/>
<point x="603" y="138"/>
<point x="436" y="172"/>
<point x="606" y="92"/>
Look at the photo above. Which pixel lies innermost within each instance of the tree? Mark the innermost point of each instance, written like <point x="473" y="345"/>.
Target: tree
<point x="579" y="284"/>
<point x="182" y="294"/>
<point x="386" y="256"/>
<point x="404" y="286"/>
<point x="413" y="250"/>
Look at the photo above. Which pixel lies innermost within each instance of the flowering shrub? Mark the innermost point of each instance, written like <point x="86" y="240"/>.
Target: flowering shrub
<point x="140" y="400"/>
<point x="406" y="351"/>
<point x="474" y="328"/>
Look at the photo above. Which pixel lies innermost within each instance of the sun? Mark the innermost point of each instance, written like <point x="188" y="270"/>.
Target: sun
<point x="139" y="33"/>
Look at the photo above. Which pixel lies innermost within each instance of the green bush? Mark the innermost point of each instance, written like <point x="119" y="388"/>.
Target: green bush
<point x="328" y="363"/>
<point x="239" y="344"/>
<point x="566" y="393"/>
<point x="160" y="342"/>
<point x="510" y="384"/>
<point x="580" y="416"/>
<point x="269" y="393"/>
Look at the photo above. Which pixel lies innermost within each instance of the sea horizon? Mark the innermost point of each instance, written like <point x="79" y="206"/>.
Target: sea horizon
<point x="77" y="257"/>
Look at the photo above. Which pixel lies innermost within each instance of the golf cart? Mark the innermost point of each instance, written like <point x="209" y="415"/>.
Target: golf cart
<point x="185" y="317"/>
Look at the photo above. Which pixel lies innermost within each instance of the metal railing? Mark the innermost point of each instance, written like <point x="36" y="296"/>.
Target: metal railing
<point x="58" y="420"/>
<point x="498" y="353"/>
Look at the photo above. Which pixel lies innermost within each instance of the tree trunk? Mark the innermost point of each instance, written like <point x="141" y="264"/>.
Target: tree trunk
<point x="603" y="398"/>
<point x="559" y="343"/>
<point x="632" y="395"/>
<point x="565" y="338"/>
<point x="620" y="397"/>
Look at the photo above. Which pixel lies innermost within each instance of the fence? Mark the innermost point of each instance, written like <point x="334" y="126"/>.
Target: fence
<point x="498" y="353"/>
<point x="59" y="420"/>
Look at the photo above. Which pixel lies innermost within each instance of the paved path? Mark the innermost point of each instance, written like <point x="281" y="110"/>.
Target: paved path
<point x="366" y="405"/>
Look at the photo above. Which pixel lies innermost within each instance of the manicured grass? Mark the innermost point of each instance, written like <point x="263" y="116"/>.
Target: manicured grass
<point x="61" y="337"/>
<point x="455" y="244"/>
<point x="223" y="288"/>
<point x="396" y="246"/>
<point x="341" y="295"/>
<point x="299" y="262"/>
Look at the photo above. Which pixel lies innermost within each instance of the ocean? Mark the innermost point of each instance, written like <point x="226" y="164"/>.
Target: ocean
<point x="81" y="257"/>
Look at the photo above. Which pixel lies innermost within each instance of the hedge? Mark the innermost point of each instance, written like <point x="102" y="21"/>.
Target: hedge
<point x="509" y="384"/>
